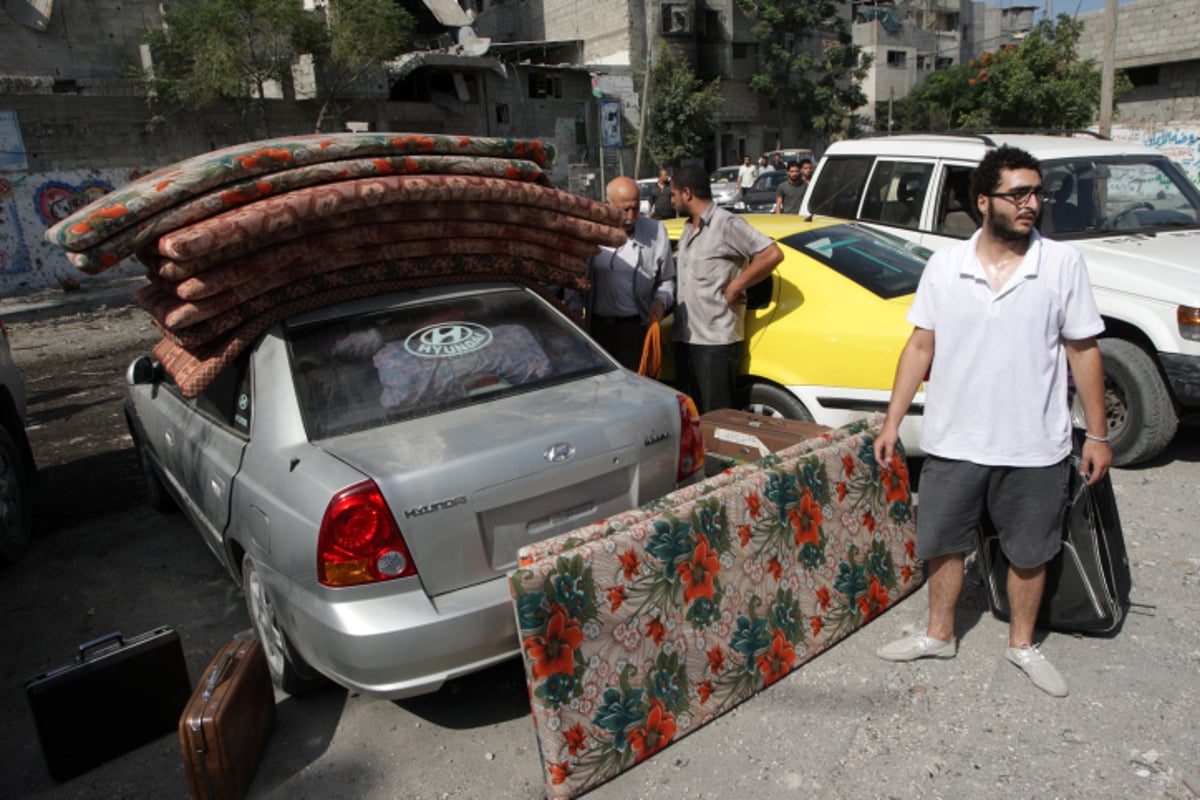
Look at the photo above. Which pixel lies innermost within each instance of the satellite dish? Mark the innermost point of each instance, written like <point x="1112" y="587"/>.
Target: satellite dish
<point x="476" y="47"/>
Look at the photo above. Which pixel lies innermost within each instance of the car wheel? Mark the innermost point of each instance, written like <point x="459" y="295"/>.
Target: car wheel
<point x="772" y="401"/>
<point x="157" y="496"/>
<point x="1139" y="412"/>
<point x="288" y="669"/>
<point x="16" y="522"/>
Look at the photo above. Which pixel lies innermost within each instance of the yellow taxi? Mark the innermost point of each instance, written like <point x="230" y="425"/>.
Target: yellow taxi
<point x="825" y="330"/>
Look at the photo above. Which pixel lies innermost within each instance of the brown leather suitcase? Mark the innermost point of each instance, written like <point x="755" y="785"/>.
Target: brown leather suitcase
<point x="743" y="436"/>
<point x="226" y="724"/>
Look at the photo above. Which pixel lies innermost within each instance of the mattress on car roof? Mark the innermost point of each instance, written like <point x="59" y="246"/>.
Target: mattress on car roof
<point x="635" y="638"/>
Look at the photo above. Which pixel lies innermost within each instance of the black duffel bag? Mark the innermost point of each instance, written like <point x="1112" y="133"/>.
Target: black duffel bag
<point x="1088" y="582"/>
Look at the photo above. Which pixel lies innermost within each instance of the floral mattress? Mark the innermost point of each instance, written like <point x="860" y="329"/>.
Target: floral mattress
<point x="639" y="629"/>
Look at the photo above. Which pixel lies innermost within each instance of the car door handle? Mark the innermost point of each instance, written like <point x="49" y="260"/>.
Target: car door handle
<point x="170" y="437"/>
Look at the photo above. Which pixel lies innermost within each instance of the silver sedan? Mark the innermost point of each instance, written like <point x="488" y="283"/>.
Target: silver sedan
<point x="369" y="471"/>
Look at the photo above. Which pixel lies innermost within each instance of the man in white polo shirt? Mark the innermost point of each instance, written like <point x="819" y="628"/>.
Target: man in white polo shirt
<point x="1005" y="312"/>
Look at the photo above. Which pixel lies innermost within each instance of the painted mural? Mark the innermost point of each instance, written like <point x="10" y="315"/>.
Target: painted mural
<point x="29" y="204"/>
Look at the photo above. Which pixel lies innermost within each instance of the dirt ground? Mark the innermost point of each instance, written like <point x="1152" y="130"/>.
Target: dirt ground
<point x="74" y="381"/>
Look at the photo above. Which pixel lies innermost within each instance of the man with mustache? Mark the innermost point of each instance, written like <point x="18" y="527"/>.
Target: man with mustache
<point x="997" y="319"/>
<point x="632" y="285"/>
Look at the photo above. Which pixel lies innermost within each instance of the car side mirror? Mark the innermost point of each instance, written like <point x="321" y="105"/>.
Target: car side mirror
<point x="144" y="369"/>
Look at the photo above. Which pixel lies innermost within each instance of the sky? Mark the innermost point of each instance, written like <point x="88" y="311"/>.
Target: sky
<point x="1070" y="7"/>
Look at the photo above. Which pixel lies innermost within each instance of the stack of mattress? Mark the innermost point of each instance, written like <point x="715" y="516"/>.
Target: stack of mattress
<point x="639" y="629"/>
<point x="241" y="238"/>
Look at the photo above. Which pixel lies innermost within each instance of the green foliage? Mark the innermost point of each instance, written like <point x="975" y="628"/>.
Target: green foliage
<point x="1040" y="83"/>
<point x="366" y="32"/>
<point x="223" y="52"/>
<point x="819" y="89"/>
<point x="684" y="110"/>
<point x="362" y="35"/>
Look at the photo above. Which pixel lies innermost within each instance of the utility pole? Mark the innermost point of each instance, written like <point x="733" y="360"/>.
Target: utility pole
<point x="637" y="160"/>
<point x="1108" y="63"/>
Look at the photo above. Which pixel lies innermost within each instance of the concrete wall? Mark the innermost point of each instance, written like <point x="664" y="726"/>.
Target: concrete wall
<point x="1150" y="33"/>
<point x="87" y="42"/>
<point x="602" y="25"/>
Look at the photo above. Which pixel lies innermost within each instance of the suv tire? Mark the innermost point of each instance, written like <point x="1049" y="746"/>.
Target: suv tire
<point x="1139" y="411"/>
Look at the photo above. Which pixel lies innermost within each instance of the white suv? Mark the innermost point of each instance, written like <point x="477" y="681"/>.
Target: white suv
<point x="1132" y="213"/>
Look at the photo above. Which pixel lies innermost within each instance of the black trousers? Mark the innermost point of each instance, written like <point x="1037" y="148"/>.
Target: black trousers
<point x="622" y="338"/>
<point x="708" y="372"/>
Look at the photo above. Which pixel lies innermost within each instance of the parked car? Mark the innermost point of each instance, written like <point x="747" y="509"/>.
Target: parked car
<point x="760" y="199"/>
<point x="18" y="471"/>
<point x="368" y="472"/>
<point x="644" y="187"/>
<point x="1132" y="213"/>
<point x="825" y="329"/>
<point x="724" y="183"/>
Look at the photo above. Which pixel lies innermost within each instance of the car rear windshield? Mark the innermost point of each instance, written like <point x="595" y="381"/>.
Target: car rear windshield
<point x="361" y="372"/>
<point x="880" y="265"/>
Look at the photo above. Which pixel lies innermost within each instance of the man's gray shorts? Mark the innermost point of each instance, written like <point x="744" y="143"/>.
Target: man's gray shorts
<point x="1026" y="504"/>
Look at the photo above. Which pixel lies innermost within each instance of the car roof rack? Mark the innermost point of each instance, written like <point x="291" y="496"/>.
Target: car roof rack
<point x="986" y="136"/>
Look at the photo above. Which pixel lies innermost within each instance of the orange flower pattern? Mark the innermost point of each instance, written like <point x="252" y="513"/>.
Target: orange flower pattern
<point x="698" y="574"/>
<point x="554" y="652"/>
<point x="713" y="593"/>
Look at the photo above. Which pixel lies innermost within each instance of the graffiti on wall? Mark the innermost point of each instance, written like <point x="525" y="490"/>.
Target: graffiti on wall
<point x="55" y="200"/>
<point x="1179" y="142"/>
<point x="29" y="204"/>
<point x="15" y="258"/>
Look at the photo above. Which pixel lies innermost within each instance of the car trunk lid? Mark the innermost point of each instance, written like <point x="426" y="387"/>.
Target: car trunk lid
<point x="470" y="487"/>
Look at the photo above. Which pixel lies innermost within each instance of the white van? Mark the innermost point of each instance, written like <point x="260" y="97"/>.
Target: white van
<point x="1132" y="213"/>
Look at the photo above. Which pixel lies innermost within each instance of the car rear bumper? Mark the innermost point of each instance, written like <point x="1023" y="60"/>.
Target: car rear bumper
<point x="1184" y="374"/>
<point x="401" y="644"/>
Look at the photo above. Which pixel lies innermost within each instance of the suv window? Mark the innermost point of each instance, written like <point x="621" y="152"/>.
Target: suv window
<point x="1085" y="195"/>
<point x="956" y="214"/>
<point x="840" y="189"/>
<point x="357" y="373"/>
<point x="896" y="193"/>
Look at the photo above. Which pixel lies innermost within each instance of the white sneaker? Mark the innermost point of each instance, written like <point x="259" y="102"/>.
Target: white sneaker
<point x="1040" y="671"/>
<point x="915" y="646"/>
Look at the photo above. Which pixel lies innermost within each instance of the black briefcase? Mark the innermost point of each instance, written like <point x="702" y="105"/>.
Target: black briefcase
<point x="118" y="694"/>
<point x="1088" y="582"/>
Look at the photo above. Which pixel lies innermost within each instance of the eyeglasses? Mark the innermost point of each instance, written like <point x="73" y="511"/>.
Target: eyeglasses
<point x="1020" y="197"/>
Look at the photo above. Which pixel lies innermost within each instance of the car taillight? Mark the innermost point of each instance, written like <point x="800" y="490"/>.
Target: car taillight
<point x="691" y="441"/>
<point x="360" y="541"/>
